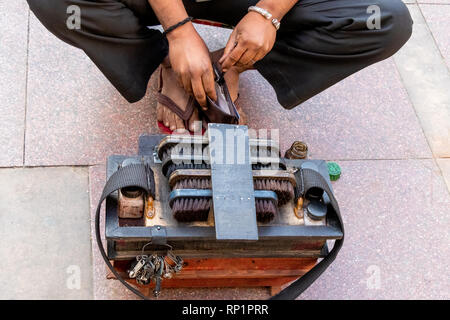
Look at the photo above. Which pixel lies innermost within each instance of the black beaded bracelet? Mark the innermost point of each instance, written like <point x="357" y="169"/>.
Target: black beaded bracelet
<point x="179" y="24"/>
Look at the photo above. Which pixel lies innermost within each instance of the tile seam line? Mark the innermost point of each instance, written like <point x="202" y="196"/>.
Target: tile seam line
<point x="435" y="161"/>
<point x="91" y="238"/>
<point x="26" y="89"/>
<point x="431" y="3"/>
<point x="48" y="166"/>
<point x="88" y="166"/>
<point x="432" y="35"/>
<point x="387" y="159"/>
<point x="407" y="90"/>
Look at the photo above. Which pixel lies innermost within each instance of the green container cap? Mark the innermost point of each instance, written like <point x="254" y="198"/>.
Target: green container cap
<point x="334" y="171"/>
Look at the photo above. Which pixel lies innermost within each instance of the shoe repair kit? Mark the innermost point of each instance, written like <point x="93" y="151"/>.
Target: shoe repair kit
<point x="218" y="209"/>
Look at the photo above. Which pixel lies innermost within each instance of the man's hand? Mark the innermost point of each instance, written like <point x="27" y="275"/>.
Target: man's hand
<point x="252" y="38"/>
<point x="190" y="60"/>
<point x="188" y="54"/>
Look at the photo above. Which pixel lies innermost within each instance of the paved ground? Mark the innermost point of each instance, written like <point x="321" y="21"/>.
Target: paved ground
<point x="388" y="126"/>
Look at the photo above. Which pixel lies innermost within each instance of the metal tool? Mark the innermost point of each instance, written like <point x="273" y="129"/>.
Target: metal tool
<point x="137" y="266"/>
<point x="155" y="267"/>
<point x="159" y="270"/>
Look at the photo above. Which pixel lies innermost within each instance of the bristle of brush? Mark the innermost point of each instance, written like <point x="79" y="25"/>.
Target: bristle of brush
<point x="284" y="189"/>
<point x="193" y="183"/>
<point x="260" y="166"/>
<point x="197" y="209"/>
<point x="172" y="167"/>
<point x="191" y="209"/>
<point x="265" y="210"/>
<point x="188" y="165"/>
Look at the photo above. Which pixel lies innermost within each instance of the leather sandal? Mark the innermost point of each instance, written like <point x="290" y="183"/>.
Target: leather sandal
<point x="184" y="115"/>
<point x="223" y="110"/>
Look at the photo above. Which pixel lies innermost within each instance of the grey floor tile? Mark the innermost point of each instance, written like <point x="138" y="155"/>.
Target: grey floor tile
<point x="13" y="68"/>
<point x="45" y="232"/>
<point x="427" y="80"/>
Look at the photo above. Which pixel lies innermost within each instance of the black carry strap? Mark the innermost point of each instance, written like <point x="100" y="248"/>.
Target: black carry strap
<point x="133" y="175"/>
<point x="141" y="175"/>
<point x="308" y="179"/>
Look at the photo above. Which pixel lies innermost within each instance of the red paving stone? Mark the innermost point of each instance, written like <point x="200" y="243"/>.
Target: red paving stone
<point x="396" y="216"/>
<point x="367" y="116"/>
<point x="75" y="117"/>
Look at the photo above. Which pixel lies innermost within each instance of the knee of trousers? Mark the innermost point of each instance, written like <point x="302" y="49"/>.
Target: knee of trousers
<point x="398" y="26"/>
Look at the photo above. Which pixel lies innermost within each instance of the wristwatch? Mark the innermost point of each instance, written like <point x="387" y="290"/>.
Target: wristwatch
<point x="266" y="14"/>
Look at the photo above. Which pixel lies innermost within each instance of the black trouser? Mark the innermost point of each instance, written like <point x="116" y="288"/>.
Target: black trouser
<point x="320" y="42"/>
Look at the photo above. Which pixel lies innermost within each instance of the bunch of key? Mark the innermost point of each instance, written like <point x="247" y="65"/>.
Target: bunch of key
<point x="147" y="268"/>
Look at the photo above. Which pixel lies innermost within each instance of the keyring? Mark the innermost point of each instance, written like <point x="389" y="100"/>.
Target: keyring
<point x="165" y="244"/>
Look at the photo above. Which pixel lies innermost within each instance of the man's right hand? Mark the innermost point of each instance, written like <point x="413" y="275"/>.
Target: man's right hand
<point x="190" y="60"/>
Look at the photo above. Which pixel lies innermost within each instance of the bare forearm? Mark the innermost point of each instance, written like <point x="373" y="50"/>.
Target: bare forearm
<point x="278" y="8"/>
<point x="188" y="54"/>
<point x="168" y="12"/>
